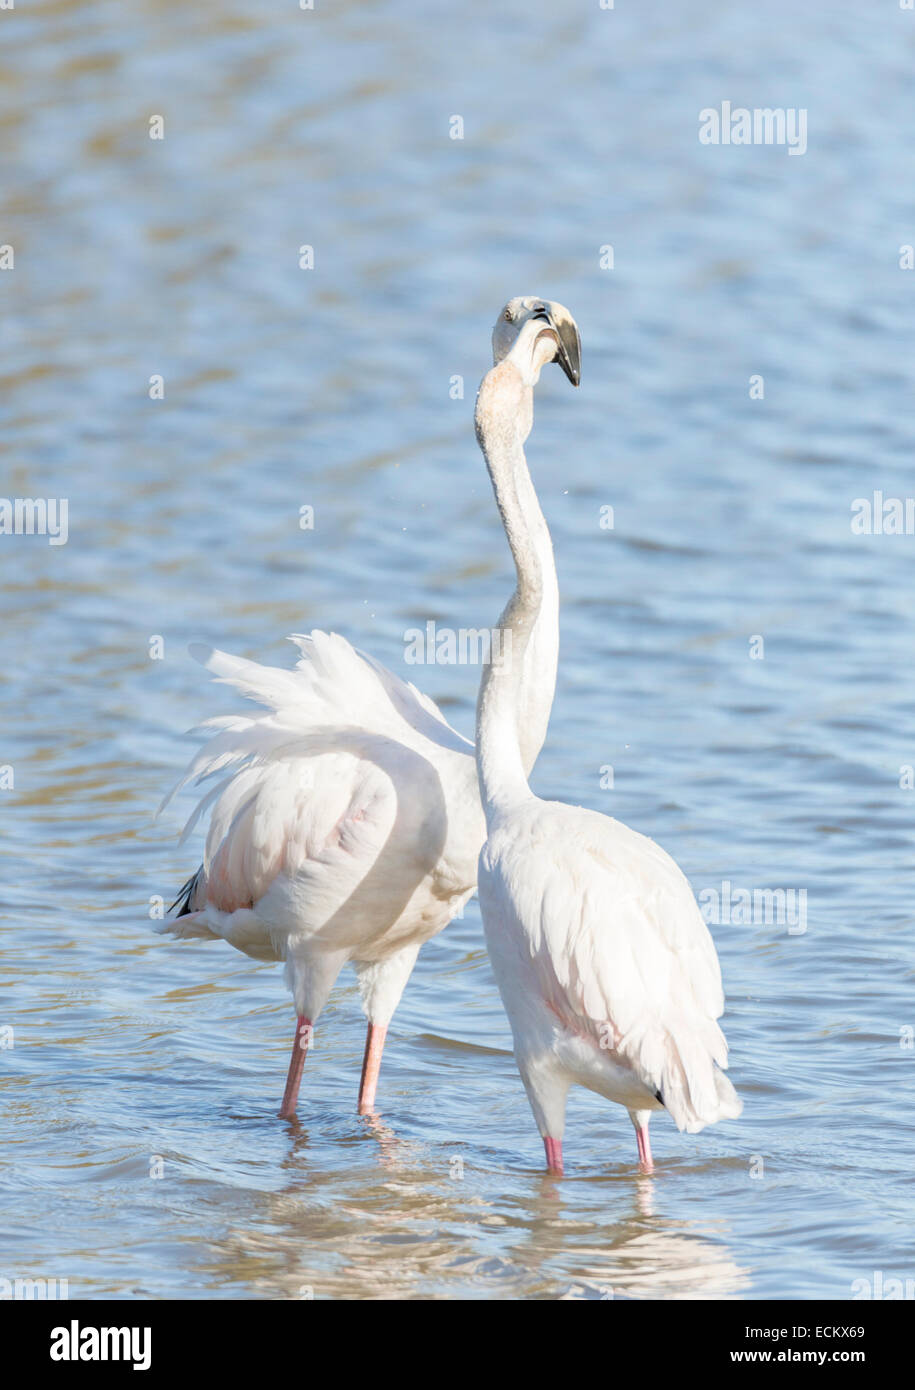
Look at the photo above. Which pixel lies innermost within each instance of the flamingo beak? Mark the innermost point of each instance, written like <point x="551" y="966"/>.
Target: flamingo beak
<point x="568" y="353"/>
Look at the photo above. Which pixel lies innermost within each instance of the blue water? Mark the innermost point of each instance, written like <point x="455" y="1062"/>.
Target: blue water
<point x="134" y="1056"/>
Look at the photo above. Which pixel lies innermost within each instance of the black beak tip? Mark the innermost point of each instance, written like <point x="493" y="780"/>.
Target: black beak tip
<point x="571" y="368"/>
<point x="569" y="350"/>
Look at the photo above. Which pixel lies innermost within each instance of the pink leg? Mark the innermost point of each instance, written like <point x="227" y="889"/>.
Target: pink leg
<point x="641" y="1136"/>
<point x="371" y="1065"/>
<point x="553" y="1155"/>
<point x="296" y="1063"/>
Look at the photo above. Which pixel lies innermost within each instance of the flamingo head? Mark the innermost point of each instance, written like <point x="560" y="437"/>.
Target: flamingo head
<point x="558" y="326"/>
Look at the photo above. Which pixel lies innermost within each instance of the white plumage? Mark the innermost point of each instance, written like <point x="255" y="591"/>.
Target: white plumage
<point x="308" y="796"/>
<point x="606" y="968"/>
<point x="344" y="825"/>
<point x="345" y="817"/>
<point x="608" y="971"/>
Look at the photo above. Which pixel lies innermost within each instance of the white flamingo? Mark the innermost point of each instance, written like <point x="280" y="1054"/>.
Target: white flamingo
<point x="346" y="823"/>
<point x="606" y="968"/>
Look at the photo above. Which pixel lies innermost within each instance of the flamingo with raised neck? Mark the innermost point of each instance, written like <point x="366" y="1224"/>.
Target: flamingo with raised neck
<point x="606" y="968"/>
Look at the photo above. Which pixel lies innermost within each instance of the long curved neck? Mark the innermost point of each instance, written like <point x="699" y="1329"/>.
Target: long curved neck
<point x="516" y="694"/>
<point x="537" y="677"/>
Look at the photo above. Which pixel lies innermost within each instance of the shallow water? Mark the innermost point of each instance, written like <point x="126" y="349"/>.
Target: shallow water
<point x="330" y="388"/>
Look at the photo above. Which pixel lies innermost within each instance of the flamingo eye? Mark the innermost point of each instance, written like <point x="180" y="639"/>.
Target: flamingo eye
<point x="508" y="316"/>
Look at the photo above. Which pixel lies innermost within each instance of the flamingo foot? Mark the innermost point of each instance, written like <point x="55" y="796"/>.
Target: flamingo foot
<point x="553" y="1155"/>
<point x="296" y="1063"/>
<point x="645" y="1160"/>
<point x="371" y="1065"/>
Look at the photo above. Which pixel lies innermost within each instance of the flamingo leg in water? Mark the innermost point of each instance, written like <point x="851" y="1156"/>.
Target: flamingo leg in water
<point x="371" y="1065"/>
<point x="553" y="1155"/>
<point x="296" y="1063"/>
<point x="641" y="1136"/>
